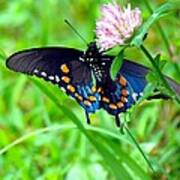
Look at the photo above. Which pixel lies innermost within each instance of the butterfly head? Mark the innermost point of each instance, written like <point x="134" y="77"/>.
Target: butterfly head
<point x="92" y="53"/>
<point x="94" y="59"/>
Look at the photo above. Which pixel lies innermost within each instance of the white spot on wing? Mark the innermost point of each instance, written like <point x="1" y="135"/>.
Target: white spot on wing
<point x="36" y="71"/>
<point x="81" y="59"/>
<point x="134" y="96"/>
<point x="57" y="78"/>
<point x="43" y="74"/>
<point x="51" y="78"/>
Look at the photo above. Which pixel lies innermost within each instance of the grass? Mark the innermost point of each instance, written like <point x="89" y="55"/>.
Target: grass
<point x="42" y="138"/>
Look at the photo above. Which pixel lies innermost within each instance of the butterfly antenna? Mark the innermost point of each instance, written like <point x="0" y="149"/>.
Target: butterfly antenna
<point x="71" y="26"/>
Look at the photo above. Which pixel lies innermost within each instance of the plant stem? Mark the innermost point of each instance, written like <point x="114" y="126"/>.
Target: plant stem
<point x="164" y="82"/>
<point x="139" y="148"/>
<point x="160" y="29"/>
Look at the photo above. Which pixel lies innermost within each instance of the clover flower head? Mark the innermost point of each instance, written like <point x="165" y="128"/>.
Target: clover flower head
<point x="116" y="25"/>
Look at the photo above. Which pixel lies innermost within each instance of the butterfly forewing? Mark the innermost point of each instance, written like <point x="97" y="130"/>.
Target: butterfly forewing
<point x="60" y="66"/>
<point x="47" y="59"/>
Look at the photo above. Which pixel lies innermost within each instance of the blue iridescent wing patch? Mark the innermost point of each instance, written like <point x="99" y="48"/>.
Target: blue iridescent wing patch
<point x="135" y="75"/>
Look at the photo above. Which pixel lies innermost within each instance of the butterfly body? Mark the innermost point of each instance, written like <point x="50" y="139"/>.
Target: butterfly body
<point x="73" y="70"/>
<point x="98" y="63"/>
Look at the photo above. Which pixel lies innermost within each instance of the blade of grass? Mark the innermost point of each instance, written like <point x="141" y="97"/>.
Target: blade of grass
<point x="139" y="148"/>
<point x="126" y="159"/>
<point x="160" y="29"/>
<point x="114" y="150"/>
<point x="112" y="160"/>
<point x="35" y="133"/>
<point x="108" y="133"/>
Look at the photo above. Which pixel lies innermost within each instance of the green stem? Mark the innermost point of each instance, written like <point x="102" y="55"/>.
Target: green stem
<point x="164" y="82"/>
<point x="139" y="148"/>
<point x="160" y="29"/>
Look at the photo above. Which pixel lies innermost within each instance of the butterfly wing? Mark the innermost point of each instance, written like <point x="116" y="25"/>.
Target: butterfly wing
<point x="121" y="94"/>
<point x="60" y="66"/>
<point x="135" y="75"/>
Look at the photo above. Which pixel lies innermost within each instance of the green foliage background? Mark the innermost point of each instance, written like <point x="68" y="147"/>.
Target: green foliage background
<point x="60" y="147"/>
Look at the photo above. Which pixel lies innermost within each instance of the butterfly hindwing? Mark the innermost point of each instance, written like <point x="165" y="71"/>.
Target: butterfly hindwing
<point x="60" y="66"/>
<point x="120" y="94"/>
<point x="116" y="96"/>
<point x="135" y="74"/>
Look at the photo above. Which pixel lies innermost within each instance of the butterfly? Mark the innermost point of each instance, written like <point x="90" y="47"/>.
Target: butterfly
<point x="75" y="71"/>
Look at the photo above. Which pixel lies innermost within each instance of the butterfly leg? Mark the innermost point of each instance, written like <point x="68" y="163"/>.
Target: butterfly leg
<point x="118" y="122"/>
<point x="87" y="118"/>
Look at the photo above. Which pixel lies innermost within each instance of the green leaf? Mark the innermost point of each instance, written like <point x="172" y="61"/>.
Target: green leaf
<point x="160" y="63"/>
<point x="157" y="59"/>
<point x="158" y="13"/>
<point x="111" y="158"/>
<point x="134" y="169"/>
<point x="2" y="55"/>
<point x="148" y="91"/>
<point x="151" y="77"/>
<point x="116" y="65"/>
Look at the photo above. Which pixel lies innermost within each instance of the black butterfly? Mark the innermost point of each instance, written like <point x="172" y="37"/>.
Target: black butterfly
<point x="73" y="70"/>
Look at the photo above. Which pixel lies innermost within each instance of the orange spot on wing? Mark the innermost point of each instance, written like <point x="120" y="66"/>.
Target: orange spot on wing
<point x="64" y="68"/>
<point x="120" y="105"/>
<point x="123" y="99"/>
<point x="66" y="79"/>
<point x="87" y="103"/>
<point x="92" y="98"/>
<point x="124" y="92"/>
<point x="79" y="97"/>
<point x="113" y="106"/>
<point x="71" y="88"/>
<point x="99" y="89"/>
<point x="122" y="81"/>
<point x="105" y="99"/>
<point x="93" y="89"/>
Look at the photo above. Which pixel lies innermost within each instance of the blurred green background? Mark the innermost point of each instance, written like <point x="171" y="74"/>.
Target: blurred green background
<point x="55" y="148"/>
